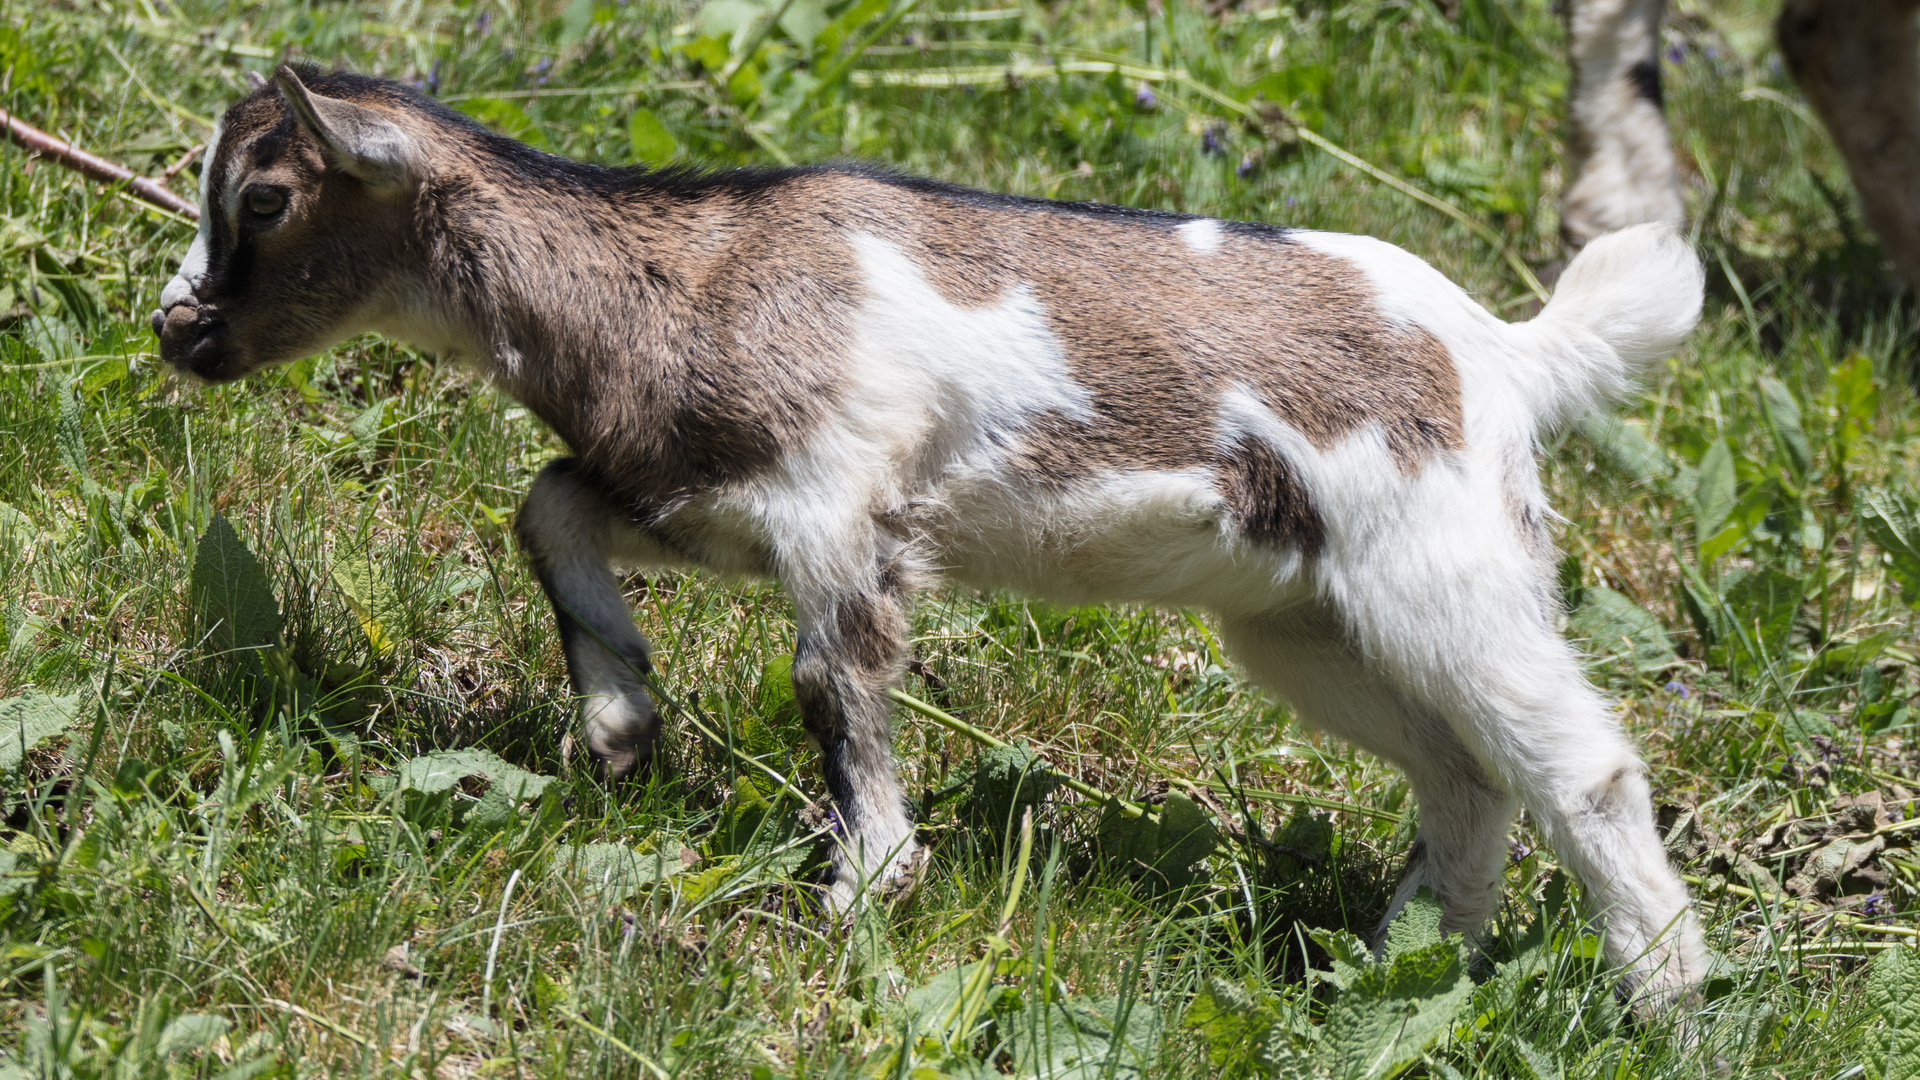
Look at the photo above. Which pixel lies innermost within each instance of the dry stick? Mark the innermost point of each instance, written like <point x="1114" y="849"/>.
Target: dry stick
<point x="61" y="152"/>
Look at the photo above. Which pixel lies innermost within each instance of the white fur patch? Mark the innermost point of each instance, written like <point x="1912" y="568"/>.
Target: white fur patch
<point x="935" y="390"/>
<point x="194" y="267"/>
<point x="1203" y="236"/>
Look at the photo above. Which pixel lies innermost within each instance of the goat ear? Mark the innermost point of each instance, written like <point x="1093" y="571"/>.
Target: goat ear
<point x="356" y="140"/>
<point x="255" y="80"/>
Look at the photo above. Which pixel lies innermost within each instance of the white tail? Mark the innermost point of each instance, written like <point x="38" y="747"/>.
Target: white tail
<point x="1623" y="305"/>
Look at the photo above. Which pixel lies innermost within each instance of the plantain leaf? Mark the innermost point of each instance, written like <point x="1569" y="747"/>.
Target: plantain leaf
<point x="1624" y="446"/>
<point x="231" y="594"/>
<point x="1893" y="521"/>
<point x="372" y="601"/>
<point x="1084" y="1039"/>
<point x="612" y="872"/>
<point x="442" y="769"/>
<point x="193" y="1031"/>
<point x="651" y="141"/>
<point x="1783" y="415"/>
<point x="31" y="719"/>
<point x="1717" y="491"/>
<point x="1615" y="626"/>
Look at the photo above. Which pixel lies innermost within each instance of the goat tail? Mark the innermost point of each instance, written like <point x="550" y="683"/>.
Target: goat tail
<point x="1622" y="306"/>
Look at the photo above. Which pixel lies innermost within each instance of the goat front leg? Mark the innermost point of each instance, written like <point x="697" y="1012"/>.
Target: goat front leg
<point x="852" y="648"/>
<point x="570" y="532"/>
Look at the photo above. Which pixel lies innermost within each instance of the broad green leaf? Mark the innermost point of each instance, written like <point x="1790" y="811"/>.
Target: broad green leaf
<point x="612" y="872"/>
<point x="1893" y="999"/>
<point x="1716" y="493"/>
<point x="1783" y="415"/>
<point x="1084" y="1039"/>
<point x="31" y="719"/>
<point x="193" y="1031"/>
<point x="1763" y="604"/>
<point x="1624" y="446"/>
<point x="231" y="593"/>
<point x="18" y="533"/>
<point x="1162" y="853"/>
<point x="763" y="836"/>
<point x="1617" y="627"/>
<point x="939" y="1007"/>
<point x="804" y="20"/>
<point x="367" y="427"/>
<point x="725" y="18"/>
<point x="651" y="141"/>
<point x="1893" y="521"/>
<point x="575" y="22"/>
<point x="442" y="769"/>
<point x="1539" y="1064"/>
<point x="505" y="117"/>
<point x="100" y="375"/>
<point x="1851" y="387"/>
<point x="1416" y="927"/>
<point x="1187" y="835"/>
<point x="1393" y="1012"/>
<point x="372" y="601"/>
<point x="69" y="432"/>
<point x="1006" y="781"/>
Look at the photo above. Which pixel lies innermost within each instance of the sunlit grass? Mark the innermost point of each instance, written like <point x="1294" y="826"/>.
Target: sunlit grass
<point x="245" y="849"/>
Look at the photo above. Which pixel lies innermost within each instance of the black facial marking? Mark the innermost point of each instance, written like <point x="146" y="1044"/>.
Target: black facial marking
<point x="1645" y="77"/>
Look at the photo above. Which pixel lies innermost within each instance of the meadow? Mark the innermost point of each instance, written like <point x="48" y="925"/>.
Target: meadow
<point x="289" y="780"/>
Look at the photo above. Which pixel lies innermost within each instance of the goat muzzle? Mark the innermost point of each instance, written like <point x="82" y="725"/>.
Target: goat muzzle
<point x="186" y="332"/>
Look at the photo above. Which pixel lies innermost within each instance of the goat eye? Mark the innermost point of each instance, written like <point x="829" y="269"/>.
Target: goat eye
<point x="266" y="202"/>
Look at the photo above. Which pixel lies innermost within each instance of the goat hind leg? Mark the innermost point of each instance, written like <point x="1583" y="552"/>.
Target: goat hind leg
<point x="569" y="531"/>
<point x="1514" y="693"/>
<point x="1305" y="656"/>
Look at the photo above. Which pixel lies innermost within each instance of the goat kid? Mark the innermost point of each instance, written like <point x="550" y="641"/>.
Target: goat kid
<point x="854" y="382"/>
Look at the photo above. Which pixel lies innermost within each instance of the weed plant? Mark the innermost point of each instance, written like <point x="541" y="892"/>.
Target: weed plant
<point x="289" y="780"/>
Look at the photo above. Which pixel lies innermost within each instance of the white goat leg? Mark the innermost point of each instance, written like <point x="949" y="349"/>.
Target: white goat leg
<point x="570" y="535"/>
<point x="1619" y="165"/>
<point x="1305" y="656"/>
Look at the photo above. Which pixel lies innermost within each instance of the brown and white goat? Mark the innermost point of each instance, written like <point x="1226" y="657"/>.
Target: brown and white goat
<point x="856" y="382"/>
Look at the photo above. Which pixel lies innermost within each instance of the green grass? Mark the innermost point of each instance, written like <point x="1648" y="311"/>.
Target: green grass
<point x="226" y="864"/>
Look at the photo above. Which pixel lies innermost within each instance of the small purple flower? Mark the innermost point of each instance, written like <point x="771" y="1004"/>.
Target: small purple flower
<point x="1678" y="688"/>
<point x="1876" y="907"/>
<point x="1519" y="851"/>
<point x="433" y="80"/>
<point x="1245" y="168"/>
<point x="545" y="65"/>
<point x="483" y="24"/>
<point x="1143" y="97"/>
<point x="1291" y="200"/>
<point x="1676" y="53"/>
<point x="1210" y="141"/>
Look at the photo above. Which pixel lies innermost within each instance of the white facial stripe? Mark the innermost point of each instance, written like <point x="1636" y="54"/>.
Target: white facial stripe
<point x="193" y="268"/>
<point x="1203" y="236"/>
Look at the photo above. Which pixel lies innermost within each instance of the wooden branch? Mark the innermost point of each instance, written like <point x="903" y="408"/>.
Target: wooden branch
<point x="41" y="144"/>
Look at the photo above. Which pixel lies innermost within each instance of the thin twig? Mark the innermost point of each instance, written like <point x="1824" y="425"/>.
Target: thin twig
<point x="61" y="152"/>
<point x="186" y="159"/>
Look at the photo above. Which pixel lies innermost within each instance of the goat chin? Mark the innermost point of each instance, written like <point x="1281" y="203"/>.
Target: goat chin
<point x="858" y="383"/>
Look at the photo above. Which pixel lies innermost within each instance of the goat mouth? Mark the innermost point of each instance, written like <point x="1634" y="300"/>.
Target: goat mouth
<point x="194" y="341"/>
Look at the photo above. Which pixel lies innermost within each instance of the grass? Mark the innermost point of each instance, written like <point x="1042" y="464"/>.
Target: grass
<point x="322" y="841"/>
